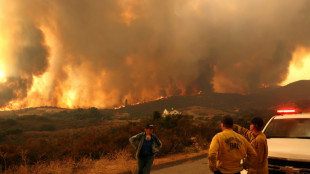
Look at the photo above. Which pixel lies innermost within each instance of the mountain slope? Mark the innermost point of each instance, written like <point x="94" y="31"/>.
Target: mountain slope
<point x="265" y="98"/>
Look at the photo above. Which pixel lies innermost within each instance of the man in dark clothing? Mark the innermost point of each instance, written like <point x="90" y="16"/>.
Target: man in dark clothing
<point x="146" y="148"/>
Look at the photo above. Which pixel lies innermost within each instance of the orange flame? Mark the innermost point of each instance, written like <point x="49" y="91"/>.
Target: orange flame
<point x="299" y="66"/>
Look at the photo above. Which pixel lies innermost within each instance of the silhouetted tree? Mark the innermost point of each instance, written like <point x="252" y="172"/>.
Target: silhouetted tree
<point x="156" y="115"/>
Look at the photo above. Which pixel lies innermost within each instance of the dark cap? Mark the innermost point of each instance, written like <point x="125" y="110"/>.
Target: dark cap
<point x="149" y="126"/>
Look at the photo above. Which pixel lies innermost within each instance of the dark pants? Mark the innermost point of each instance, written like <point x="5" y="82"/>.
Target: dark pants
<point x="145" y="164"/>
<point x="219" y="172"/>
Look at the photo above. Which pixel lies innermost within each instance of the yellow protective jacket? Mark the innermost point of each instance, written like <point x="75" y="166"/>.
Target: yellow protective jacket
<point x="227" y="151"/>
<point x="259" y="142"/>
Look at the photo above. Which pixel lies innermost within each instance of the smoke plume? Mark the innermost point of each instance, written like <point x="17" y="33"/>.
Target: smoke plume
<point x="81" y="53"/>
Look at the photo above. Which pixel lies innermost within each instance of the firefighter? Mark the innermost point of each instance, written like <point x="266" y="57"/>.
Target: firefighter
<point x="229" y="151"/>
<point x="259" y="142"/>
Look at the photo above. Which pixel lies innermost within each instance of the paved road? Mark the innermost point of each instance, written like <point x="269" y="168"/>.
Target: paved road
<point x="192" y="167"/>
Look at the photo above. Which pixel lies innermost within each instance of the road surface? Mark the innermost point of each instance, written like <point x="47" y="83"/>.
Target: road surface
<point x="191" y="167"/>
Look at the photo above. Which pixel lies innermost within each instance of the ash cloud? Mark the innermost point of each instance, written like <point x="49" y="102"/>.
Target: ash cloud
<point x="109" y="51"/>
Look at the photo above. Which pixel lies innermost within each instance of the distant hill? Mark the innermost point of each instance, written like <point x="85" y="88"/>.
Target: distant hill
<point x="31" y="111"/>
<point x="291" y="93"/>
<point x="264" y="98"/>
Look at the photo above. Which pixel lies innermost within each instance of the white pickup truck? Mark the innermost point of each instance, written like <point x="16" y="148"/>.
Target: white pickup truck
<point x="288" y="138"/>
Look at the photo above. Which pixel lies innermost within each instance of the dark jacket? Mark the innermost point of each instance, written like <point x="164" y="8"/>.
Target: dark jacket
<point x="140" y="138"/>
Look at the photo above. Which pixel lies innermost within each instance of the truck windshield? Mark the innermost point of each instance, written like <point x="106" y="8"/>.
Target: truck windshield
<point x="288" y="128"/>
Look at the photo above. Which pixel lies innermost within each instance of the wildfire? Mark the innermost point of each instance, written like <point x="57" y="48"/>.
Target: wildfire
<point x="137" y="103"/>
<point x="299" y="66"/>
<point x="141" y="50"/>
<point x="3" y="47"/>
<point x="13" y="105"/>
<point x="155" y="99"/>
<point x="2" y="77"/>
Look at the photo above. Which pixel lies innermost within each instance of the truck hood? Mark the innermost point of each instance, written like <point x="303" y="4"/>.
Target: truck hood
<point x="290" y="149"/>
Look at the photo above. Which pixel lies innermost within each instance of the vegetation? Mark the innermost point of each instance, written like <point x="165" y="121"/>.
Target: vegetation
<point x="92" y="134"/>
<point x="32" y="137"/>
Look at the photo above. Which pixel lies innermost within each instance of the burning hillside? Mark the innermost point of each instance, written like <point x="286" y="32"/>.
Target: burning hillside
<point x="81" y="53"/>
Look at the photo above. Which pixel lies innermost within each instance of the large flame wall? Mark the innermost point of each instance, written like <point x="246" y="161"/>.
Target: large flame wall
<point x="81" y="53"/>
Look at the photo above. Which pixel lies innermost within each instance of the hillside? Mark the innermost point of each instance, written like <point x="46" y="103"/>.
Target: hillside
<point x="265" y="98"/>
<point x="51" y="133"/>
<point x="294" y="93"/>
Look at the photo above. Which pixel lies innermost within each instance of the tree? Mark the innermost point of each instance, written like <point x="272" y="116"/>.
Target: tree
<point x="156" y="115"/>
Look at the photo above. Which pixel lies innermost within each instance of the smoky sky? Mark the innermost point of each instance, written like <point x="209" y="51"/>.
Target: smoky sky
<point x="110" y="50"/>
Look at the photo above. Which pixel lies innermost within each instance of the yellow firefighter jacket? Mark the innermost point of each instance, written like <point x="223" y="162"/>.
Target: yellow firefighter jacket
<point x="228" y="150"/>
<point x="259" y="142"/>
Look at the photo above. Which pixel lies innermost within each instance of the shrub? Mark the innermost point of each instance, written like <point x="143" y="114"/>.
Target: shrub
<point x="28" y="117"/>
<point x="175" y="132"/>
<point x="10" y="122"/>
<point x="47" y="127"/>
<point x="156" y="115"/>
<point x="14" y="131"/>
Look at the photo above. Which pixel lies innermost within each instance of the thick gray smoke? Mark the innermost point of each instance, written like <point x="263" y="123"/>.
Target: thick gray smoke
<point x="28" y="56"/>
<point x="142" y="49"/>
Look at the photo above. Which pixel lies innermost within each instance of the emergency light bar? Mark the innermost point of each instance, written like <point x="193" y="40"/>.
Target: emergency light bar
<point x="286" y="111"/>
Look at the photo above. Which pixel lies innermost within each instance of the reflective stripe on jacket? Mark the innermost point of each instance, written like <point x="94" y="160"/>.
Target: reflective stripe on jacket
<point x="259" y="143"/>
<point x="227" y="151"/>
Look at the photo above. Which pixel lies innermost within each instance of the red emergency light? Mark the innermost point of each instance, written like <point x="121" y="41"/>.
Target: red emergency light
<point x="286" y="111"/>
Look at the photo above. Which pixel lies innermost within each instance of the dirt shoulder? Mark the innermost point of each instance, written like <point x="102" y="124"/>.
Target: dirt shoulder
<point x="121" y="163"/>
